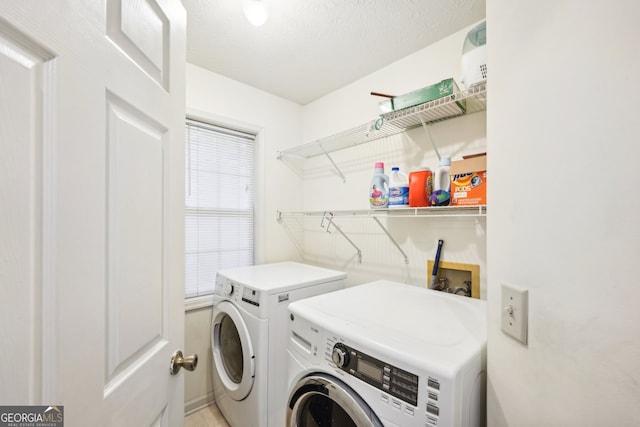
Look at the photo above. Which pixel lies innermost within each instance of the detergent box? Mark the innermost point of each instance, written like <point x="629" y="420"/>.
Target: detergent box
<point x="446" y="87"/>
<point x="469" y="181"/>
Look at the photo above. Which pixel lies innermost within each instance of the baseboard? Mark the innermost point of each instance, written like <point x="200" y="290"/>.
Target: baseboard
<point x="198" y="403"/>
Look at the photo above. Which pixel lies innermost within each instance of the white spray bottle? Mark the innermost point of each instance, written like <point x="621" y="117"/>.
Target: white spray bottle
<point x="442" y="175"/>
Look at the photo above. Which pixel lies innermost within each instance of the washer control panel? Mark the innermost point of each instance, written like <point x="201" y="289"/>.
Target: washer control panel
<point x="384" y="376"/>
<point x="251" y="296"/>
<point x="224" y="286"/>
<point x="236" y="291"/>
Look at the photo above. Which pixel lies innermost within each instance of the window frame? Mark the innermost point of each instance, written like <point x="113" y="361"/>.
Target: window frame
<point x="202" y="301"/>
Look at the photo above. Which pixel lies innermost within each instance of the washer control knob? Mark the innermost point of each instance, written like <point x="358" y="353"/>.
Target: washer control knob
<point x="227" y="289"/>
<point x="340" y="355"/>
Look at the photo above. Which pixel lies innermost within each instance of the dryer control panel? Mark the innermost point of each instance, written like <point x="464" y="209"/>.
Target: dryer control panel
<point x="384" y="376"/>
<point x="224" y="286"/>
<point x="251" y="296"/>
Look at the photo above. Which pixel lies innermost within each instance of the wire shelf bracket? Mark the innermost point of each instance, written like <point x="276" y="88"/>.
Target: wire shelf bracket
<point x="333" y="163"/>
<point x="328" y="216"/>
<point x="406" y="259"/>
<point x="432" y="213"/>
<point x="395" y="122"/>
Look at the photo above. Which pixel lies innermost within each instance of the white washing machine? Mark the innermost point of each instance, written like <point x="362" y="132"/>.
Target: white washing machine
<point x="387" y="354"/>
<point x="249" y="335"/>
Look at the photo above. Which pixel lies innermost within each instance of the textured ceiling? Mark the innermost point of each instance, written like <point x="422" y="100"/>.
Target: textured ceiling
<point x="308" y="48"/>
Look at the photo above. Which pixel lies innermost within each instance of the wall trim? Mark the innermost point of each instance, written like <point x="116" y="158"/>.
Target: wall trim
<point x="196" y="303"/>
<point x="198" y="403"/>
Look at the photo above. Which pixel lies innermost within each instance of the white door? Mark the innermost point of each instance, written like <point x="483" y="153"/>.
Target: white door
<point x="91" y="208"/>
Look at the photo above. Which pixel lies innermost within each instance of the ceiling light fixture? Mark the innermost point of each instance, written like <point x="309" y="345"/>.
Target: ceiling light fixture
<point x="255" y="11"/>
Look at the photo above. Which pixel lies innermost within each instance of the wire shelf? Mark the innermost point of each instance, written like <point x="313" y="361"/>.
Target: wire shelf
<point x="432" y="211"/>
<point x="465" y="102"/>
<point x="349" y="138"/>
<point x="462" y="103"/>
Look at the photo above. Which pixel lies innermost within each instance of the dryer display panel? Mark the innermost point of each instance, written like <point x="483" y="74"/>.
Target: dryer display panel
<point x="384" y="376"/>
<point x="251" y="296"/>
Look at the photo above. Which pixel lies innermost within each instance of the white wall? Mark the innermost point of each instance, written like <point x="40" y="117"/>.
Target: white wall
<point x="292" y="186"/>
<point x="224" y="101"/>
<point x="277" y="122"/>
<point x="561" y="129"/>
<point x="198" y="390"/>
<point x="352" y="106"/>
<point x="563" y="220"/>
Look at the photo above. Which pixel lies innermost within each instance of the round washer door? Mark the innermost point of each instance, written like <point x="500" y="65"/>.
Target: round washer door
<point x="322" y="400"/>
<point x="233" y="354"/>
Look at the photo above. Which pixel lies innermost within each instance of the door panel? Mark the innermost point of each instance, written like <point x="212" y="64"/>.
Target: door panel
<point x="136" y="194"/>
<point x="94" y="126"/>
<point x="22" y="67"/>
<point x="147" y="45"/>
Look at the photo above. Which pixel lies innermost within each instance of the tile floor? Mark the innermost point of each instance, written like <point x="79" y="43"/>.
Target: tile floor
<point x="206" y="417"/>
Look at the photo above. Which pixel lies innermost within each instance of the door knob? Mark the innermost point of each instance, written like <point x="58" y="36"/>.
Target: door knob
<point x="178" y="361"/>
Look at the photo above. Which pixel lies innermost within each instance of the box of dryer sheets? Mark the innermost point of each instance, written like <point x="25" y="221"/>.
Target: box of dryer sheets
<point x="439" y="90"/>
<point x="385" y="106"/>
<point x="469" y="180"/>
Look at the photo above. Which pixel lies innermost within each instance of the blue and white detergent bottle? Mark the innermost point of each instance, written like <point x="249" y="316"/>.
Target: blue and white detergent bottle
<point x="441" y="187"/>
<point x="398" y="189"/>
<point x="379" y="188"/>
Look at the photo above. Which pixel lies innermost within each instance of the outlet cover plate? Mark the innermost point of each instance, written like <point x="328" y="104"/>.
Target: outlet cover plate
<point x="515" y="312"/>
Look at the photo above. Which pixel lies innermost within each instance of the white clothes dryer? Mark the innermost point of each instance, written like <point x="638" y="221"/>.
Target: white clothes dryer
<point x="249" y="335"/>
<point x="387" y="354"/>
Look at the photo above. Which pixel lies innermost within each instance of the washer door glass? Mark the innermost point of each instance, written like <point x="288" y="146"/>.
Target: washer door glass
<point x="319" y="410"/>
<point x="320" y="400"/>
<point x="233" y="355"/>
<point x="231" y="349"/>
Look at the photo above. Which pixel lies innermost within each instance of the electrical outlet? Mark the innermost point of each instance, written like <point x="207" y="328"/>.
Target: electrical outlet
<point x="515" y="312"/>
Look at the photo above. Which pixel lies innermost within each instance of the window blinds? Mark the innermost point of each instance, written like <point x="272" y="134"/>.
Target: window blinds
<point x="219" y="203"/>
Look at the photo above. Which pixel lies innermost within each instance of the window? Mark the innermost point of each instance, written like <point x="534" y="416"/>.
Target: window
<point x="219" y="209"/>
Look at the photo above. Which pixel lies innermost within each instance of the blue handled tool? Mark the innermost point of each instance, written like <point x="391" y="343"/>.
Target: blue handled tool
<point x="434" y="272"/>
